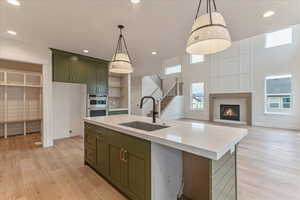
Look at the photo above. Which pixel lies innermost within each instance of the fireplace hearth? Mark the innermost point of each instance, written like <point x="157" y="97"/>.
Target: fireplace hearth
<point x="230" y="112"/>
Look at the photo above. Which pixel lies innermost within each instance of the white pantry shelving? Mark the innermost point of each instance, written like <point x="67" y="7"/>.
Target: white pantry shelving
<point x="118" y="91"/>
<point x="20" y="102"/>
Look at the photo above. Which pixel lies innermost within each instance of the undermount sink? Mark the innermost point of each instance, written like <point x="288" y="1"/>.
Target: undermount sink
<point x="144" y="126"/>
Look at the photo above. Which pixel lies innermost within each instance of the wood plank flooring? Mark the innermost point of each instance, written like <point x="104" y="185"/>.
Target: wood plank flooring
<point x="268" y="169"/>
<point x="269" y="165"/>
<point x="28" y="172"/>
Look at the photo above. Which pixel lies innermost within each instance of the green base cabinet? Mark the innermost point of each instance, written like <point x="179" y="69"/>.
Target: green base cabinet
<point x="123" y="160"/>
<point x="118" y="112"/>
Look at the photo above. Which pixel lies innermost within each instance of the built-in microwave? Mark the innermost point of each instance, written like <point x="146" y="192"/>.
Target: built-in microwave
<point x="96" y="105"/>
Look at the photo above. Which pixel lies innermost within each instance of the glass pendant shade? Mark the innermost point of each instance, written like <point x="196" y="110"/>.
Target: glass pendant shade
<point x="209" y="34"/>
<point x="121" y="62"/>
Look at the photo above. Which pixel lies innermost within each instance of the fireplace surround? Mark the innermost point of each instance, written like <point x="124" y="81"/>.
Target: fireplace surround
<point x="248" y="99"/>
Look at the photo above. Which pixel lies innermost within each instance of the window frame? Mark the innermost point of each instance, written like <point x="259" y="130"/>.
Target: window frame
<point x="172" y="66"/>
<point x="268" y="46"/>
<point x="191" y="96"/>
<point x="284" y="111"/>
<point x="191" y="59"/>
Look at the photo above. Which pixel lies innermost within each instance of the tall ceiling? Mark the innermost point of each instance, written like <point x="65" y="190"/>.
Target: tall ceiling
<point x="152" y="25"/>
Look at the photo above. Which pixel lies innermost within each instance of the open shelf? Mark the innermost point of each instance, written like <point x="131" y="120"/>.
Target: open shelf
<point x="118" y="91"/>
<point x="2" y="79"/>
<point x="20" y="102"/>
<point x="20" y="79"/>
<point x="15" y="78"/>
<point x="33" y="80"/>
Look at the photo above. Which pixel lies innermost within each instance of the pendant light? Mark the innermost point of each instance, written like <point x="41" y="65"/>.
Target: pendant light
<point x="121" y="62"/>
<point x="209" y="33"/>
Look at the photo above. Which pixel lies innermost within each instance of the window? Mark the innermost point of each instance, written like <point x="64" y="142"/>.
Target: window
<point x="197" y="96"/>
<point x="279" y="38"/>
<point x="278" y="94"/>
<point x="173" y="69"/>
<point x="196" y="59"/>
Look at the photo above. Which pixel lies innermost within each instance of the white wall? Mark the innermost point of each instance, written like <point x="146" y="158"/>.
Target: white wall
<point x="192" y="73"/>
<point x="169" y="80"/>
<point x="231" y="70"/>
<point x="243" y="68"/>
<point x="69" y="108"/>
<point x="22" y="51"/>
<point x="150" y="88"/>
<point x="276" y="61"/>
<point x="136" y="95"/>
<point x="174" y="110"/>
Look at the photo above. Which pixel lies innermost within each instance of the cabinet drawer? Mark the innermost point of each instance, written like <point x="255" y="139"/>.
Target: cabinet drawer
<point x="100" y="131"/>
<point x="91" y="156"/>
<point x="90" y="140"/>
<point x="137" y="145"/>
<point x="90" y="146"/>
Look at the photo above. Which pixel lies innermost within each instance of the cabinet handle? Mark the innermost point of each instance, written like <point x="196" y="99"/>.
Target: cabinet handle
<point x="125" y="156"/>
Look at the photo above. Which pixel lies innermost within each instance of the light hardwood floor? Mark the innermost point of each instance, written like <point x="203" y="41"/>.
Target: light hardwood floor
<point x="268" y="169"/>
<point x="28" y="172"/>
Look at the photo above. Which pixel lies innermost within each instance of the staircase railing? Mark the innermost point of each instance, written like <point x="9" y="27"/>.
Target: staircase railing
<point x="157" y="80"/>
<point x="147" y="100"/>
<point x="174" y="90"/>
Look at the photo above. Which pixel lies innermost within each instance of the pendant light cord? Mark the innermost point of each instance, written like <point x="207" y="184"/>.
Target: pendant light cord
<point x="126" y="49"/>
<point x="119" y="48"/>
<point x="208" y="8"/>
<point x="198" y="9"/>
<point x="215" y="7"/>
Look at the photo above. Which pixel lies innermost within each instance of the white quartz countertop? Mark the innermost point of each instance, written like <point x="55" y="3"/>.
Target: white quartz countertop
<point x="202" y="139"/>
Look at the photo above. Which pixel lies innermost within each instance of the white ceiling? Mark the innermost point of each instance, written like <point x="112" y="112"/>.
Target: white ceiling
<point x="152" y="25"/>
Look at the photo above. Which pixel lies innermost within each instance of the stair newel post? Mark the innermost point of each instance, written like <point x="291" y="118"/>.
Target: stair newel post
<point x="158" y="108"/>
<point x="177" y="87"/>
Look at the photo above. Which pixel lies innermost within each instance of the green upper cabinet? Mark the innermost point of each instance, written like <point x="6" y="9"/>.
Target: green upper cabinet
<point x="102" y="78"/>
<point x="92" y="79"/>
<point x="60" y="69"/>
<point x="74" y="68"/>
<point x="78" y="70"/>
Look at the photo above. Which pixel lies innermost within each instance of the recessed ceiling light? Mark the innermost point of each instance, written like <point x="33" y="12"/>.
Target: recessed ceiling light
<point x="154" y="53"/>
<point x="135" y="1"/>
<point x="85" y="51"/>
<point x="12" y="32"/>
<point x="268" y="13"/>
<point x="13" y="2"/>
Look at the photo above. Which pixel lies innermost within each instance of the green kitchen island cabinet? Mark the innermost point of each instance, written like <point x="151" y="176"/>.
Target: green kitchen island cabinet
<point x="123" y="160"/>
<point x="182" y="159"/>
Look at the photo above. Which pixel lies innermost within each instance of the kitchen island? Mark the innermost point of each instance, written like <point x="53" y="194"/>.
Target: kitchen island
<point x="193" y="159"/>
